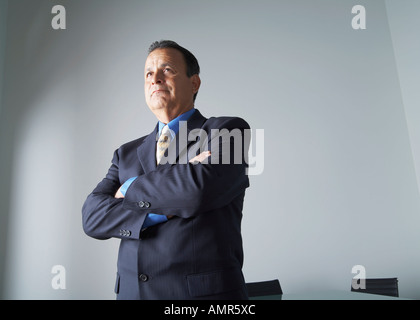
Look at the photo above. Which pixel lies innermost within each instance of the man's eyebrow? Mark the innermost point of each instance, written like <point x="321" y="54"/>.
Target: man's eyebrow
<point x="167" y="64"/>
<point x="163" y="65"/>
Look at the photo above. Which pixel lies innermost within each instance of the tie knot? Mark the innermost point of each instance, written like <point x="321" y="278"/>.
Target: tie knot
<point x="163" y="143"/>
<point x="165" y="131"/>
<point x="165" y="134"/>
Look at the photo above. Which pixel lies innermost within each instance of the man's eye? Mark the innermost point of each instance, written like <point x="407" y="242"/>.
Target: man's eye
<point x="148" y="74"/>
<point x="167" y="70"/>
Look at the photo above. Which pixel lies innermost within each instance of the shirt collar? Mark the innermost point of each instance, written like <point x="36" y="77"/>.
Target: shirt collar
<point x="174" y="124"/>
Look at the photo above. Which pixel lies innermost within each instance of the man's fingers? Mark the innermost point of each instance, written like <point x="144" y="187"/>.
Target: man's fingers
<point x="201" y="157"/>
<point x="118" y="194"/>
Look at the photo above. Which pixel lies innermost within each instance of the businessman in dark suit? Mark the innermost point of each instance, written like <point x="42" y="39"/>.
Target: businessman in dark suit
<point x="176" y="209"/>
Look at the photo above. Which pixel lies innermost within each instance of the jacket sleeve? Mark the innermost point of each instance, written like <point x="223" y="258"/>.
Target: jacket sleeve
<point x="104" y="216"/>
<point x="187" y="190"/>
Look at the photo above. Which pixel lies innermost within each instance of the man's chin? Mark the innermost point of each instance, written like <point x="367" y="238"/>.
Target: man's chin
<point x="156" y="103"/>
<point x="158" y="107"/>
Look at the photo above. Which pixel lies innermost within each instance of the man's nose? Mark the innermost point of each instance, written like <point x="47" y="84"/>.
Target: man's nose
<point x="157" y="78"/>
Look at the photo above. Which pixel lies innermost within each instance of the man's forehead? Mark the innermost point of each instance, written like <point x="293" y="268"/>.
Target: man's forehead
<point x="164" y="57"/>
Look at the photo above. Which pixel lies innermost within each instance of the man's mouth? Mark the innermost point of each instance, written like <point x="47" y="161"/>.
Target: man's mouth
<point x="158" y="90"/>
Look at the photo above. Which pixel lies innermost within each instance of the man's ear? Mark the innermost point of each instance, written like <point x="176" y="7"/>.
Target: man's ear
<point x="196" y="82"/>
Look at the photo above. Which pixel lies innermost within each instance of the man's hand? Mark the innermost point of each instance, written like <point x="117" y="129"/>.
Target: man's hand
<point x="118" y="194"/>
<point x="201" y="157"/>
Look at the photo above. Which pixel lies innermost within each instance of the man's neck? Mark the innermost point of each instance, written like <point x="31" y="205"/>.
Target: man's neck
<point x="167" y="116"/>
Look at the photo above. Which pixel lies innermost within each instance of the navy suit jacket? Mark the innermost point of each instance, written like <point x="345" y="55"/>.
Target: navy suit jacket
<point x="198" y="253"/>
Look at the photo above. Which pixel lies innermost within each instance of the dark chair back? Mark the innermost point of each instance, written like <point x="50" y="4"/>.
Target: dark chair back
<point x="382" y="286"/>
<point x="264" y="288"/>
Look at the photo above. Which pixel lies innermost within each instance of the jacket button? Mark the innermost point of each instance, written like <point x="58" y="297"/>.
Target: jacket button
<point x="147" y="204"/>
<point x="141" y="204"/>
<point x="143" y="277"/>
<point x="125" y="233"/>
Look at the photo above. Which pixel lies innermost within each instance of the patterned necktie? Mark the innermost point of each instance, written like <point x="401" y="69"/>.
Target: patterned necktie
<point x="163" y="143"/>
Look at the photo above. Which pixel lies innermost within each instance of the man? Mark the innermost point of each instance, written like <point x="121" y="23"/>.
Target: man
<point x="176" y="209"/>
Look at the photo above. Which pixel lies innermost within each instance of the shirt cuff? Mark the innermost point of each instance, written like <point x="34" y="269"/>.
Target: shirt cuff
<point x="127" y="184"/>
<point x="153" y="219"/>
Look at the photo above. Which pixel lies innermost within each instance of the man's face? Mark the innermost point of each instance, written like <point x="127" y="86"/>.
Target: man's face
<point x="169" y="91"/>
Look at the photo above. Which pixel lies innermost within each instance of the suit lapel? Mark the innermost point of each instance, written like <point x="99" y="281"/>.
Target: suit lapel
<point x="146" y="152"/>
<point x="182" y="144"/>
<point x="196" y="121"/>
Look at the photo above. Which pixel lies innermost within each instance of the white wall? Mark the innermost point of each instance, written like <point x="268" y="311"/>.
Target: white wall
<point x="339" y="184"/>
<point x="404" y="23"/>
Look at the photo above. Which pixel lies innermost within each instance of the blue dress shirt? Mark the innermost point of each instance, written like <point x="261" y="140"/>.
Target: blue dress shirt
<point x="153" y="219"/>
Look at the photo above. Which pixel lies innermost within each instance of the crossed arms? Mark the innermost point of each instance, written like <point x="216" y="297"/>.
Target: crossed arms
<point x="179" y="190"/>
